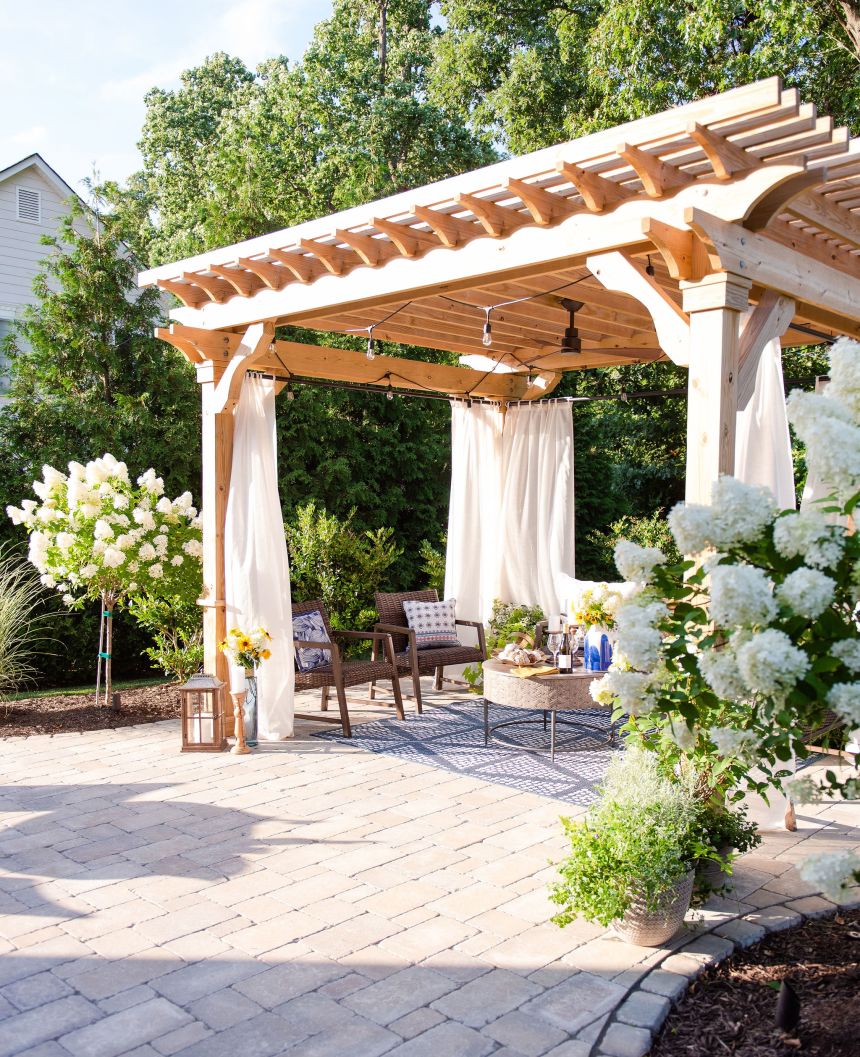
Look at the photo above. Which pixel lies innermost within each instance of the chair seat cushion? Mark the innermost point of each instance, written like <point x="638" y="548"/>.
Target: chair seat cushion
<point x="310" y="627"/>
<point x="433" y="623"/>
<point x="439" y="658"/>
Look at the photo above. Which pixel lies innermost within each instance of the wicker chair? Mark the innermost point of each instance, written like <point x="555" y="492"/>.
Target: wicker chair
<point x="340" y="673"/>
<point x="392" y="620"/>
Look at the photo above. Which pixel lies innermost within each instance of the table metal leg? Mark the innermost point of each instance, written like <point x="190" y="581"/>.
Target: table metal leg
<point x="552" y="735"/>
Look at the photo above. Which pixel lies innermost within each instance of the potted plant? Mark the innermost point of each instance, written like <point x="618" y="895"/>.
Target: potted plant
<point x="632" y="859"/>
<point x="728" y="833"/>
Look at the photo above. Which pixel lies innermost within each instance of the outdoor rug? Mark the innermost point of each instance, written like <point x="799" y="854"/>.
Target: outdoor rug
<point x="452" y="737"/>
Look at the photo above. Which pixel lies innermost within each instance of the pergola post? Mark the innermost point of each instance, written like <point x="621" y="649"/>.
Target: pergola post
<point x="714" y="305"/>
<point x="217" y="457"/>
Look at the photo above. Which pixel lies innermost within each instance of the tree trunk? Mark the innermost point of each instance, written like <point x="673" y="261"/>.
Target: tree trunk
<point x="383" y="40"/>
<point x="850" y="19"/>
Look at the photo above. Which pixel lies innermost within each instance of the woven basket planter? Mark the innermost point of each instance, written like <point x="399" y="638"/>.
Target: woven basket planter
<point x="709" y="873"/>
<point x="652" y="928"/>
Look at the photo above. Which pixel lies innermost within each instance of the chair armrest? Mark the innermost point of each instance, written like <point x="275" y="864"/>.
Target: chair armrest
<point x="394" y="629"/>
<point x="479" y="627"/>
<point x="307" y="643"/>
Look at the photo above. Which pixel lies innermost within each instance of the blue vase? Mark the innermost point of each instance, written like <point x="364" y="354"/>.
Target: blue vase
<point x="597" y="650"/>
<point x="250" y="709"/>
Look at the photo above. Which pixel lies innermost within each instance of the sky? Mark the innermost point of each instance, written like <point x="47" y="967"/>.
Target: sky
<point x="73" y="73"/>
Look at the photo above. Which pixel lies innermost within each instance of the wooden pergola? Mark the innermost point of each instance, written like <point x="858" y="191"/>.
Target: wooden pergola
<point x="664" y="230"/>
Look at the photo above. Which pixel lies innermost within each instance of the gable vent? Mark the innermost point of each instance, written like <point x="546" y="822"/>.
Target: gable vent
<point x="29" y="204"/>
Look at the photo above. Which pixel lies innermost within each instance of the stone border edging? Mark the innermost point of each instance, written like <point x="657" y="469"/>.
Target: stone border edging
<point x="630" y="1028"/>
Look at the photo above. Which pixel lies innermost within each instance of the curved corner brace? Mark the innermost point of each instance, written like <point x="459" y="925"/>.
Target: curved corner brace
<point x="618" y="272"/>
<point x="255" y="340"/>
<point x="775" y="199"/>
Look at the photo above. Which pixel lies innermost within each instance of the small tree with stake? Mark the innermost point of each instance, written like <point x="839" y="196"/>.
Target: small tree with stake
<point x="95" y="535"/>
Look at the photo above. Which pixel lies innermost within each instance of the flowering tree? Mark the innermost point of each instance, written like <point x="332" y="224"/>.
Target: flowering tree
<point x="95" y="535"/>
<point x="725" y="659"/>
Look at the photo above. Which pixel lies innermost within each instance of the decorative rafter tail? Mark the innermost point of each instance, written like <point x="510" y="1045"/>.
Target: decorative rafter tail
<point x="725" y="158"/>
<point x="243" y="283"/>
<point x="544" y="206"/>
<point x="190" y="296"/>
<point x="302" y="268"/>
<point x="658" y="177"/>
<point x="409" y="241"/>
<point x="372" y="252"/>
<point x="597" y="191"/>
<point x="496" y="220"/>
<point x="215" y="289"/>
<point x="335" y="261"/>
<point x="449" y="230"/>
<point x="270" y="275"/>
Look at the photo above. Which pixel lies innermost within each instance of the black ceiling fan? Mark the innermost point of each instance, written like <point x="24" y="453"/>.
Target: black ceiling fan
<point x="571" y="342"/>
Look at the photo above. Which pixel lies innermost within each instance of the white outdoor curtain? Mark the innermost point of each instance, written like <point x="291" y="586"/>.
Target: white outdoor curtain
<point x="762" y="441"/>
<point x="257" y="570"/>
<point x="510" y="519"/>
<point x="763" y="457"/>
<point x="471" y="561"/>
<point x="537" y="508"/>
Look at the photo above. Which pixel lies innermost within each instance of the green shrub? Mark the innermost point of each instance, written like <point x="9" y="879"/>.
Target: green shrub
<point x="649" y="531"/>
<point x="643" y="833"/>
<point x="509" y="622"/>
<point x="176" y="626"/>
<point x="23" y="631"/>
<point x="332" y="561"/>
<point x="433" y="565"/>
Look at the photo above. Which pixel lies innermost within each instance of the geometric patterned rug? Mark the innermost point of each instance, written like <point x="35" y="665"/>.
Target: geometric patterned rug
<point x="452" y="737"/>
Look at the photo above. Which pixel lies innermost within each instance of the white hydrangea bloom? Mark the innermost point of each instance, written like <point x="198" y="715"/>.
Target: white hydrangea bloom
<point x="770" y="663"/>
<point x="741" y="596"/>
<point x="844" y="384"/>
<point x="124" y="541"/>
<point x="638" y="640"/>
<point x="156" y="571"/>
<point x="848" y="651"/>
<point x="103" y="530"/>
<point x="830" y="872"/>
<point x="48" y="580"/>
<point x="99" y="547"/>
<point x="89" y="571"/>
<point x="41" y="489"/>
<point x="635" y="562"/>
<point x="113" y="557"/>
<point x="193" y="548"/>
<point x="741" y="512"/>
<point x="833" y="454"/>
<point x="809" y="535"/>
<point x="807" y="592"/>
<point x="805" y="791"/>
<point x="53" y="478"/>
<point x="65" y="541"/>
<point x="154" y="485"/>
<point x="164" y="505"/>
<point x="691" y="526"/>
<point x="120" y="502"/>
<point x="144" y="518"/>
<point x="160" y="544"/>
<point x="68" y="600"/>
<point x="719" y="669"/>
<point x="16" y="514"/>
<point x="844" y="698"/>
<point x="133" y="567"/>
<point x="76" y="471"/>
<point x="730" y="741"/>
<point x="806" y="409"/>
<point x="146" y="552"/>
<point x="185" y="501"/>
<point x="629" y="689"/>
<point x="177" y="560"/>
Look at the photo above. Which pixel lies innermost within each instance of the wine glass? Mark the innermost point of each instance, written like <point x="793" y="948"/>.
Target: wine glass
<point x="554" y="640"/>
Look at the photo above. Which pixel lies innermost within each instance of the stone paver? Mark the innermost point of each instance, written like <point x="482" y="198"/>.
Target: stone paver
<point x="313" y="899"/>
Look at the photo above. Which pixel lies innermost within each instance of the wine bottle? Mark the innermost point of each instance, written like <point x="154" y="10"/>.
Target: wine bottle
<point x="565" y="654"/>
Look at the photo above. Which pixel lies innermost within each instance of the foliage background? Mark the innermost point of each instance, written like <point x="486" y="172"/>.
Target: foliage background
<point x="390" y="94"/>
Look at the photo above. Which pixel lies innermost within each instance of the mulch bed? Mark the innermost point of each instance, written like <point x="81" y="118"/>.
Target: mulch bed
<point x="64" y="713"/>
<point x="731" y="1009"/>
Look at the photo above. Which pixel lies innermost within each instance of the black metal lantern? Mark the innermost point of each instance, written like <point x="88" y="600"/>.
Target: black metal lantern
<point x="203" y="714"/>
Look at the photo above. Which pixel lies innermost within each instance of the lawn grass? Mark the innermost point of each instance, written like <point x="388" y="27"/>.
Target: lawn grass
<point x="123" y="684"/>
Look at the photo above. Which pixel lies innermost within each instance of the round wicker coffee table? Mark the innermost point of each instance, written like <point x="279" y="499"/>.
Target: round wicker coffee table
<point x="544" y="693"/>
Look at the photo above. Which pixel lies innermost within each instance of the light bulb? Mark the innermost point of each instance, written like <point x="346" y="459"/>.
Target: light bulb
<point x="487" y="339"/>
<point x="290" y="394"/>
<point x="371" y="355"/>
<point x="389" y="395"/>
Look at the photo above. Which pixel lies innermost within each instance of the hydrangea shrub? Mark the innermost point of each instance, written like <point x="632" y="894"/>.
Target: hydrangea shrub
<point x="724" y="659"/>
<point x="94" y="534"/>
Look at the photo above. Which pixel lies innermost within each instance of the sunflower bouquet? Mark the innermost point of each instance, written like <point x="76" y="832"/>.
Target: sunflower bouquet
<point x="247" y="648"/>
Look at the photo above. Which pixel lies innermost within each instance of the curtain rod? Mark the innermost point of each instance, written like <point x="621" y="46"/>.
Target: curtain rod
<point x="624" y="397"/>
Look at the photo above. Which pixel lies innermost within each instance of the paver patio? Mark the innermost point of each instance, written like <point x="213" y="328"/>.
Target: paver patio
<point x="317" y="899"/>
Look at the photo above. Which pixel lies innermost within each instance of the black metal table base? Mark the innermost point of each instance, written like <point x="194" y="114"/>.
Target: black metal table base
<point x="554" y="721"/>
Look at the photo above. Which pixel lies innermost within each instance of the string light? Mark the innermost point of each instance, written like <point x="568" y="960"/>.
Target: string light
<point x="290" y="394"/>
<point x="389" y="393"/>
<point x="487" y="339"/>
<point x="371" y="353"/>
<point x="649" y="267"/>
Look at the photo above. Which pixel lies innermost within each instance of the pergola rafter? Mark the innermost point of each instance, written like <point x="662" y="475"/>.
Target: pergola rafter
<point x="666" y="230"/>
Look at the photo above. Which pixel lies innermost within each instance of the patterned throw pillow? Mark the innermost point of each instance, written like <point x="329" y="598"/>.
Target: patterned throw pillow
<point x="433" y="623"/>
<point x="309" y="627"/>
